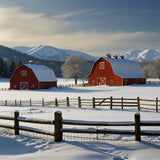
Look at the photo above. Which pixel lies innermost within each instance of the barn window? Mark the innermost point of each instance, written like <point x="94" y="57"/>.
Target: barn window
<point x="111" y="81"/>
<point x="24" y="73"/>
<point x="93" y="81"/>
<point x="101" y="65"/>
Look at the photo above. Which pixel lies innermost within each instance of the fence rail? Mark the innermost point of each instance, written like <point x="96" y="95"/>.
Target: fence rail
<point x="60" y="126"/>
<point x="16" y="127"/>
<point x="109" y="102"/>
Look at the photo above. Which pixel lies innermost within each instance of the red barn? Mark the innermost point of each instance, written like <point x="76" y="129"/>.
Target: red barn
<point x="33" y="76"/>
<point x="115" y="71"/>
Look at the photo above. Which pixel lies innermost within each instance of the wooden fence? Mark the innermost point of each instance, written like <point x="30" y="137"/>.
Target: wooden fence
<point x="137" y="132"/>
<point x="109" y="102"/>
<point x="59" y="128"/>
<point x="16" y="127"/>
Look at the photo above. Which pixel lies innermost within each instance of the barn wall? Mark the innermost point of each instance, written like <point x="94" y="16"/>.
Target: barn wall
<point x="129" y="81"/>
<point x="107" y="73"/>
<point x="118" y="81"/>
<point x="19" y="76"/>
<point x="46" y="85"/>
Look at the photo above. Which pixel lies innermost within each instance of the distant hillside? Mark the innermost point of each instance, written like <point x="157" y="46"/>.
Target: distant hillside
<point x="52" y="53"/>
<point x="12" y="54"/>
<point x="142" y="55"/>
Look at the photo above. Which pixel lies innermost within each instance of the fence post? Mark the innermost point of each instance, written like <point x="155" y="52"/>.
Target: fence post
<point x="56" y="102"/>
<point x="111" y="99"/>
<point x="138" y="103"/>
<point x="16" y="122"/>
<point x="67" y="99"/>
<point x="15" y="102"/>
<point x="156" y="104"/>
<point x="5" y="102"/>
<point x="79" y="102"/>
<point x="137" y="127"/>
<point x="93" y="102"/>
<point x="58" y="126"/>
<point x="42" y="101"/>
<point x="122" y="103"/>
<point x="30" y="102"/>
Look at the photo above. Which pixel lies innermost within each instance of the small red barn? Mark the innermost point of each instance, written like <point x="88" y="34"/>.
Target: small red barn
<point x="33" y="76"/>
<point x="115" y="71"/>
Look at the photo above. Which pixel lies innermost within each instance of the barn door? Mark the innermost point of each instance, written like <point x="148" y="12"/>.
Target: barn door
<point x="101" y="81"/>
<point x="23" y="85"/>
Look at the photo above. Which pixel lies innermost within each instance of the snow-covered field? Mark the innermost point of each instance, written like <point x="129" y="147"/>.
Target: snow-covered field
<point x="116" y="147"/>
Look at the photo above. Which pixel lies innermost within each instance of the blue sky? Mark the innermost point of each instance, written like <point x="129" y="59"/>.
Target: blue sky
<point x="92" y="26"/>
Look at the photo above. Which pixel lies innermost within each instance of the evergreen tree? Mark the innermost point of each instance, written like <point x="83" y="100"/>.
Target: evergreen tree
<point x="19" y="63"/>
<point x="1" y="65"/>
<point x="12" y="67"/>
<point x="4" y="69"/>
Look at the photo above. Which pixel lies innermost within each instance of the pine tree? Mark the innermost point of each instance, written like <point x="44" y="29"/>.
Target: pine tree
<point x="12" y="67"/>
<point x="1" y="64"/>
<point x="4" y="72"/>
<point x="19" y="63"/>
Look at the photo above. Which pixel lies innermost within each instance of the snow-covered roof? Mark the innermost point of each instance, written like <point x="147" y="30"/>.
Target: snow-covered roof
<point x="125" y="68"/>
<point x="43" y="73"/>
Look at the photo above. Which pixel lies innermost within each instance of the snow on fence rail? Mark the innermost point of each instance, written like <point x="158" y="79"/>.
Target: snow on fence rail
<point x="109" y="102"/>
<point x="60" y="126"/>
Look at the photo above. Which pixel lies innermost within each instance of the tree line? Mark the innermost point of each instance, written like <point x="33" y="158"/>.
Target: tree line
<point x="8" y="67"/>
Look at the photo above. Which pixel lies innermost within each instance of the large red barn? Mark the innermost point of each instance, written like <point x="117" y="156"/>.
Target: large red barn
<point x="115" y="71"/>
<point x="33" y="76"/>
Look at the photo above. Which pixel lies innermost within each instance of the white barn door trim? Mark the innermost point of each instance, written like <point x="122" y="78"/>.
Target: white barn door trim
<point x="23" y="85"/>
<point x="101" y="81"/>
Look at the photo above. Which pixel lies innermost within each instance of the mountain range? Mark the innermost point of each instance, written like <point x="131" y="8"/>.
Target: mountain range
<point x="55" y="58"/>
<point x="60" y="55"/>
<point x="142" y="55"/>
<point x="52" y="53"/>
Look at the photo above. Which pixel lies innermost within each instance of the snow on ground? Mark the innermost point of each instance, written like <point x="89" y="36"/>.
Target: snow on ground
<point x="143" y="91"/>
<point x="115" y="147"/>
<point x="23" y="148"/>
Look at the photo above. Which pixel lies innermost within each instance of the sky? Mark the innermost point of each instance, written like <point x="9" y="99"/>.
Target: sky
<point x="95" y="27"/>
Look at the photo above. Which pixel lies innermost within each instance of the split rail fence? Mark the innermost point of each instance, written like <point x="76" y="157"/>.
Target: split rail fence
<point x="110" y="103"/>
<point x="60" y="130"/>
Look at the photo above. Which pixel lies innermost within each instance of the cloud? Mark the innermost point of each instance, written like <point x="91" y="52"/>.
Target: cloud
<point x="17" y="23"/>
<point x="71" y="14"/>
<point x="28" y="29"/>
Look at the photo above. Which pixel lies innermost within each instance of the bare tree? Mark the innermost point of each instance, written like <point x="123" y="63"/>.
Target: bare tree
<point x="75" y="67"/>
<point x="157" y="67"/>
<point x="147" y="70"/>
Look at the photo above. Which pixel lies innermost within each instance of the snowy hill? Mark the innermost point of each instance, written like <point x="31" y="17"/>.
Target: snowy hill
<point x="51" y="53"/>
<point x="142" y="55"/>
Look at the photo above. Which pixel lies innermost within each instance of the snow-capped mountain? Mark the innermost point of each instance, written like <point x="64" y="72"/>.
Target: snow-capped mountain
<point x="142" y="55"/>
<point x="52" y="53"/>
